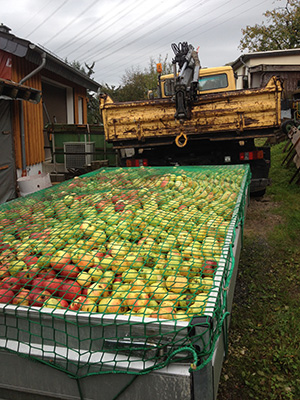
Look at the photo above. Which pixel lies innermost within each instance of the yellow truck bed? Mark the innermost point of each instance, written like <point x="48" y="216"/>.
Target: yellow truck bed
<point x="243" y="113"/>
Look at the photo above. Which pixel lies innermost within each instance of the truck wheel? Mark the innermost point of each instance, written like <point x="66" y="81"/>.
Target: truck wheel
<point x="259" y="193"/>
<point x="287" y="125"/>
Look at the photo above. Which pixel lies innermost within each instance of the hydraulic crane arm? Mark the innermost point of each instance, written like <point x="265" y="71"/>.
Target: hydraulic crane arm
<point x="186" y="81"/>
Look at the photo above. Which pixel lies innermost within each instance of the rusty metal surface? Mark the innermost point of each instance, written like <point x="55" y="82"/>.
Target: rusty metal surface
<point x="234" y="111"/>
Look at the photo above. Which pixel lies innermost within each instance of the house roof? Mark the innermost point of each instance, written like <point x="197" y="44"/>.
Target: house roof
<point x="32" y="52"/>
<point x="14" y="91"/>
<point x="277" y="53"/>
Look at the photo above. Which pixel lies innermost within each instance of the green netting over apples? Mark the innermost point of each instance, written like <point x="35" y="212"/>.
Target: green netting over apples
<point x="118" y="265"/>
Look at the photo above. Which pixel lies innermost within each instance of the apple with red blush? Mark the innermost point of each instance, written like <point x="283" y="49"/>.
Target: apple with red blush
<point x="53" y="302"/>
<point x="52" y="285"/>
<point x="12" y="283"/>
<point x="3" y="271"/>
<point x="47" y="273"/>
<point x="6" y="295"/>
<point x="209" y="267"/>
<point x="37" y="297"/>
<point x="30" y="260"/>
<point x="83" y="303"/>
<point x="69" y="290"/>
<point x="21" y="298"/>
<point x="69" y="270"/>
<point x="25" y="277"/>
<point x="60" y="259"/>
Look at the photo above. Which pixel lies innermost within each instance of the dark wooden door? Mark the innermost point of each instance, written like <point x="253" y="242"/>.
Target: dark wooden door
<point x="7" y="160"/>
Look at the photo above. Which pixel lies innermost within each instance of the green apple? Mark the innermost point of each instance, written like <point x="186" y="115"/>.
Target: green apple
<point x="130" y="275"/>
<point x="68" y="200"/>
<point x="14" y="266"/>
<point x="99" y="236"/>
<point x="96" y="273"/>
<point x="120" y="291"/>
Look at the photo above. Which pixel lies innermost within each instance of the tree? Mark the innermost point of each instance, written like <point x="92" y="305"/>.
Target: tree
<point x="93" y="112"/>
<point x="77" y="65"/>
<point x="136" y="83"/>
<point x="282" y="30"/>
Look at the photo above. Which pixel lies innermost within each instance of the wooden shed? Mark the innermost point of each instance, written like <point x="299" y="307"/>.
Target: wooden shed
<point x="63" y="99"/>
<point x="255" y="69"/>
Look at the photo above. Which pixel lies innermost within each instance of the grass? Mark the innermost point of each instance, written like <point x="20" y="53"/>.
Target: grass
<point x="264" y="353"/>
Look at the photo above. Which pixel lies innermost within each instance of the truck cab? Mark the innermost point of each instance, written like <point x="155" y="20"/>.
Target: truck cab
<point x="211" y="80"/>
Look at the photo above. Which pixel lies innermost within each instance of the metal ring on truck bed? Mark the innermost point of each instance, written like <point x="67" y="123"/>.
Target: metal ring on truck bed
<point x="178" y="139"/>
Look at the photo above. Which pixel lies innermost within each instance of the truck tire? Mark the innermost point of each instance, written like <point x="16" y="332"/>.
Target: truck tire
<point x="259" y="193"/>
<point x="287" y="125"/>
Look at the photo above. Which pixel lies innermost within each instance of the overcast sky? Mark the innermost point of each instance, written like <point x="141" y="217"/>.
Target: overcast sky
<point x="121" y="34"/>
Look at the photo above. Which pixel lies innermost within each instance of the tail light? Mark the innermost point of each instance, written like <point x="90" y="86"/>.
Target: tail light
<point x="252" y="155"/>
<point x="136" y="162"/>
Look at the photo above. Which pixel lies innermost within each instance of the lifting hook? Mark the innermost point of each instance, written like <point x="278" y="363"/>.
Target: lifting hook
<point x="181" y="139"/>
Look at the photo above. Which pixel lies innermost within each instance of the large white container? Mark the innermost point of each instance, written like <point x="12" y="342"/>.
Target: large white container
<point x="33" y="183"/>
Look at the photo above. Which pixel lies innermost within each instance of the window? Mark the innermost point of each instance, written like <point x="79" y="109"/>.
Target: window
<point x="209" y="82"/>
<point x="169" y="87"/>
<point x="80" y="110"/>
<point x="212" y="82"/>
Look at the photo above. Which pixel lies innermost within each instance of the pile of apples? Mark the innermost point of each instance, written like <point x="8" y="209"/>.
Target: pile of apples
<point x="143" y="242"/>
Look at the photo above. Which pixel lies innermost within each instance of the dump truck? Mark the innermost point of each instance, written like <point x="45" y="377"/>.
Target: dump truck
<point x="199" y="118"/>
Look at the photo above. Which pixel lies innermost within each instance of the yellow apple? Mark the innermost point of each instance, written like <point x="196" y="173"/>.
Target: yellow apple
<point x="177" y="284"/>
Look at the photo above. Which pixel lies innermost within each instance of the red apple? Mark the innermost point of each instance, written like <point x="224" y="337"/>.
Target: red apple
<point x="79" y="197"/>
<point x="4" y="246"/>
<point x="209" y="267"/>
<point x="120" y="205"/>
<point x="60" y="259"/>
<point x="52" y="285"/>
<point x="47" y="274"/>
<point x="5" y="222"/>
<point x="100" y="205"/>
<point x="25" y="277"/>
<point x="69" y="270"/>
<point x="100" y="254"/>
<point x="115" y="199"/>
<point x="37" y="283"/>
<point x="6" y="295"/>
<point x="38" y="296"/>
<point x="30" y="260"/>
<point x="3" y="271"/>
<point x="82" y="303"/>
<point x="39" y="235"/>
<point x="22" y="298"/>
<point x="69" y="290"/>
<point x="12" y="283"/>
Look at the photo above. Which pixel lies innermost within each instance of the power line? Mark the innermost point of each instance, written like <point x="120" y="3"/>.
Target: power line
<point x="134" y="6"/>
<point x="201" y="32"/>
<point x="33" y="16"/>
<point x="87" y="32"/>
<point x="141" y="36"/>
<point x="109" y="49"/>
<point x="167" y="23"/>
<point x="71" y="22"/>
<point x="47" y="18"/>
<point x="234" y="16"/>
